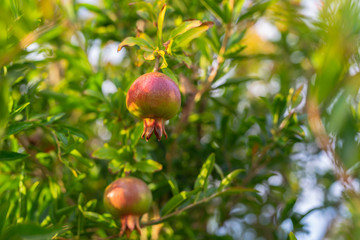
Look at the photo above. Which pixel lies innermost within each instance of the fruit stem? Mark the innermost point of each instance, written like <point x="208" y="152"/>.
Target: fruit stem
<point x="156" y="68"/>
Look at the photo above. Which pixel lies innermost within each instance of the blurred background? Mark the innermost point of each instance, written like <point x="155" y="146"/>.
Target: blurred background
<point x="282" y="108"/>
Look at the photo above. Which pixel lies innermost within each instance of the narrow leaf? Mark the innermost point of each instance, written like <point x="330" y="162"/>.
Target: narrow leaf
<point x="234" y="191"/>
<point x="176" y="200"/>
<point x="170" y="74"/>
<point x="260" y="7"/>
<point x="184" y="59"/>
<point x="234" y="81"/>
<point x="54" y="118"/>
<point x="173" y="185"/>
<point x="4" y="103"/>
<point x="234" y="50"/>
<point x="160" y="25"/>
<point x="184" y="27"/>
<point x="19" y="109"/>
<point x="184" y="39"/>
<point x="229" y="178"/>
<point x="96" y="217"/>
<point x="292" y="236"/>
<point x="148" y="166"/>
<point x="136" y="134"/>
<point x="132" y="41"/>
<point x="18" y="127"/>
<point x="214" y="8"/>
<point x="11" y="156"/>
<point x="201" y="181"/>
<point x="3" y="212"/>
<point x="75" y="131"/>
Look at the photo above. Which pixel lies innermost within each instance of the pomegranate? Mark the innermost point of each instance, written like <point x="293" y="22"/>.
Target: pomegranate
<point x="155" y="98"/>
<point x="128" y="198"/>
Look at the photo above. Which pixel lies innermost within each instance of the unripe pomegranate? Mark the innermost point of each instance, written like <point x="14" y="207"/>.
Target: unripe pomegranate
<point x="128" y="198"/>
<point x="155" y="98"/>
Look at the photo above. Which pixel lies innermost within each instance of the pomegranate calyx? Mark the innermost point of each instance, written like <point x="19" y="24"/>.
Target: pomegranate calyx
<point x="154" y="125"/>
<point x="129" y="223"/>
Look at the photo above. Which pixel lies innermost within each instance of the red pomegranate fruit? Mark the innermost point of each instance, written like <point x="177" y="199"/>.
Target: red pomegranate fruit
<point x="155" y="98"/>
<point x="128" y="198"/>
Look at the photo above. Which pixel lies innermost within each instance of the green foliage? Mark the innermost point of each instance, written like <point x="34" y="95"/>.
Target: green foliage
<point x="255" y="114"/>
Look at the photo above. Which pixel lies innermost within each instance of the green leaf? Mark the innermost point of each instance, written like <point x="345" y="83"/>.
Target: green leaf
<point x="236" y="81"/>
<point x="54" y="188"/>
<point x="148" y="166"/>
<point x="259" y="7"/>
<point x="81" y="201"/>
<point x="176" y="200"/>
<point x="184" y="27"/>
<point x="145" y="10"/>
<point x="94" y="216"/>
<point x="234" y="191"/>
<point x="95" y="94"/>
<point x="229" y="178"/>
<point x="4" y="102"/>
<point x="214" y="8"/>
<point x="238" y="7"/>
<point x="11" y="156"/>
<point x="207" y="167"/>
<point x="135" y="134"/>
<point x="173" y="184"/>
<point x="170" y="74"/>
<point x="184" y="59"/>
<point x="18" y="127"/>
<point x="94" y="9"/>
<point x="65" y="211"/>
<point x="108" y="153"/>
<point x="3" y="212"/>
<point x="132" y="41"/>
<point x="184" y="39"/>
<point x="75" y="131"/>
<point x="234" y="50"/>
<point x="160" y="25"/>
<point x="288" y="209"/>
<point x="54" y="118"/>
<point x="29" y="231"/>
<point x="292" y="236"/>
<point x="218" y="170"/>
<point x="19" y="109"/>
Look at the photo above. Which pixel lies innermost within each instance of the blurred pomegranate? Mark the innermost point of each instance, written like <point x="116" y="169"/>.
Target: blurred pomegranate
<point x="155" y="98"/>
<point x="128" y="198"/>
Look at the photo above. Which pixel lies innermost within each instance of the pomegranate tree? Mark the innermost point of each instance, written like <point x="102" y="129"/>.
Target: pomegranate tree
<point x="155" y="98"/>
<point x="128" y="198"/>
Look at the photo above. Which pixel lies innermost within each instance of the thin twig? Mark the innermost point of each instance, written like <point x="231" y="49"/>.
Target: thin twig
<point x="161" y="219"/>
<point x="156" y="68"/>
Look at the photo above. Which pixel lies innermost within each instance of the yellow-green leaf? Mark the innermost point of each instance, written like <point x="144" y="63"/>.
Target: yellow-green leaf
<point x="184" y="27"/>
<point x="132" y="41"/>
<point x="229" y="178"/>
<point x="184" y="39"/>
<point x="160" y="24"/>
<point x="148" y="166"/>
<point x="207" y="167"/>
